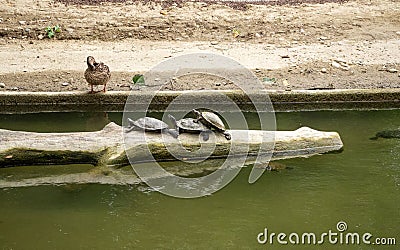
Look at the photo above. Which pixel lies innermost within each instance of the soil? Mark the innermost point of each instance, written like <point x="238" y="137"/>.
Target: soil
<point x="355" y="44"/>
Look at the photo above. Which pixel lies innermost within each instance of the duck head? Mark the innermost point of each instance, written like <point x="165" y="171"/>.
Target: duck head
<point x="91" y="62"/>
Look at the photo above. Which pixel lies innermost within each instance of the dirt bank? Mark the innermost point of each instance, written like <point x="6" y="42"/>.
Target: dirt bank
<point x="332" y="45"/>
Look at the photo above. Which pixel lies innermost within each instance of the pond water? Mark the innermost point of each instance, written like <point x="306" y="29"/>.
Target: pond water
<point x="360" y="186"/>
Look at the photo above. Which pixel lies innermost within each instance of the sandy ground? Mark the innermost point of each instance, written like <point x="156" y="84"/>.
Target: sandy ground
<point x="350" y="45"/>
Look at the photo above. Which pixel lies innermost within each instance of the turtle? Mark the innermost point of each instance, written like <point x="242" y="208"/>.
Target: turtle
<point x="96" y="73"/>
<point x="150" y="124"/>
<point x="211" y="120"/>
<point x="189" y="125"/>
<point x="387" y="134"/>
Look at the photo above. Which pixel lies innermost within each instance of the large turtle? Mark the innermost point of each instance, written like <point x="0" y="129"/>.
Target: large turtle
<point x="150" y="124"/>
<point x="387" y="134"/>
<point x="211" y="120"/>
<point x="189" y="125"/>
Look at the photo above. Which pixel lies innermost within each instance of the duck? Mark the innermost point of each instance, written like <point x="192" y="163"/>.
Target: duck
<point x="96" y="73"/>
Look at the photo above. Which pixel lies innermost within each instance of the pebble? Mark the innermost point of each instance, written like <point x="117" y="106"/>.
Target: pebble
<point x="323" y="70"/>
<point x="2" y="85"/>
<point x="14" y="88"/>
<point x="336" y="65"/>
<point x="218" y="84"/>
<point x="342" y="65"/>
<point x="214" y="42"/>
<point x="40" y="37"/>
<point x="285" y="56"/>
<point x="65" y="84"/>
<point x="22" y="22"/>
<point x="55" y="80"/>
<point x="392" y="70"/>
<point x="340" y="60"/>
<point x="398" y="32"/>
<point x="323" y="38"/>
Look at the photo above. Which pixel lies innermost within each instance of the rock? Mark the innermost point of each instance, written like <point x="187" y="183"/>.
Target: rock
<point x="22" y="22"/>
<point x="2" y="85"/>
<point x="55" y="80"/>
<point x="336" y="65"/>
<point x="65" y="84"/>
<point x="69" y="30"/>
<point x="214" y="42"/>
<point x="398" y="32"/>
<point x="218" y="84"/>
<point x="258" y="35"/>
<point x="392" y="70"/>
<point x="323" y="70"/>
<point x="342" y="65"/>
<point x="323" y="38"/>
<point x="340" y="60"/>
<point x="27" y="30"/>
<point x="40" y="37"/>
<point x="163" y="12"/>
<point x="14" y="88"/>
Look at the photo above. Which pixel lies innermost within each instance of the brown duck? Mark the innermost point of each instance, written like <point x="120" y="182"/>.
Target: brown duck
<point x="97" y="73"/>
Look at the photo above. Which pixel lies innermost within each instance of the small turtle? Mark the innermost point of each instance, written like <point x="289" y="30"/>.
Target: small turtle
<point x="150" y="124"/>
<point x="387" y="134"/>
<point x="211" y="120"/>
<point x="189" y="125"/>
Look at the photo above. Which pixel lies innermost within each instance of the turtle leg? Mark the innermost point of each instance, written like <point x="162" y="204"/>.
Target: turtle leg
<point x="91" y="89"/>
<point x="104" y="88"/>
<point x="129" y="129"/>
<point x="227" y="135"/>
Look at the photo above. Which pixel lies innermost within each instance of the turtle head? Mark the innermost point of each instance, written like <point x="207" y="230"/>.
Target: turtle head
<point x="90" y="62"/>
<point x="196" y="112"/>
<point x="172" y="118"/>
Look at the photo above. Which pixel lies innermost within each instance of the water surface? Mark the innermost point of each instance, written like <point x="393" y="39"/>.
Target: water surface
<point x="360" y="186"/>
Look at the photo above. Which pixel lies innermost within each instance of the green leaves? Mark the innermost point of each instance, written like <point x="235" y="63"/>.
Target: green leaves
<point x="51" y="31"/>
<point x="269" y="79"/>
<point x="138" y="79"/>
<point x="57" y="29"/>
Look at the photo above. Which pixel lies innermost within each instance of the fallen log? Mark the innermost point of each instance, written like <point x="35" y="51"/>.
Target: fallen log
<point x="106" y="147"/>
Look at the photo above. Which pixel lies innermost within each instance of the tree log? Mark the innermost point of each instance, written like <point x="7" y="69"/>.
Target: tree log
<point x="106" y="151"/>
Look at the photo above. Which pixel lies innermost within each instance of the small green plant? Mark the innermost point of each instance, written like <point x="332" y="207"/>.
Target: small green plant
<point x="138" y="80"/>
<point x="52" y="30"/>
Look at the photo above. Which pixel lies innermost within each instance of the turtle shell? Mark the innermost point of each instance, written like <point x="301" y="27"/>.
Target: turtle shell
<point x="189" y="124"/>
<point x="149" y="124"/>
<point x="213" y="120"/>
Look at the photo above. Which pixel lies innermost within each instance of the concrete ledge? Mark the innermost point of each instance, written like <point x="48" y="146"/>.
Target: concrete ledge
<point x="281" y="100"/>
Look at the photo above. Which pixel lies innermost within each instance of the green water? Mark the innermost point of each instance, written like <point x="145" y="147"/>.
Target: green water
<point x="360" y="186"/>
